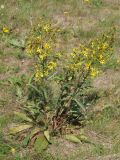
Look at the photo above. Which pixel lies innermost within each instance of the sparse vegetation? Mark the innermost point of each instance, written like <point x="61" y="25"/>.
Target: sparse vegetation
<point x="40" y="99"/>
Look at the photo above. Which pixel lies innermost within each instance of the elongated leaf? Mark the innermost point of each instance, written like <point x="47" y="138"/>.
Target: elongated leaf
<point x="28" y="138"/>
<point x="41" y="143"/>
<point x="34" y="132"/>
<point x="23" y="116"/>
<point x="47" y="135"/>
<point x="20" y="128"/>
<point x="72" y="138"/>
<point x="79" y="104"/>
<point x="31" y="79"/>
<point x="26" y="141"/>
<point x="32" y="86"/>
<point x="82" y="137"/>
<point x="85" y="139"/>
<point x="45" y="94"/>
<point x="16" y="43"/>
<point x="18" y="91"/>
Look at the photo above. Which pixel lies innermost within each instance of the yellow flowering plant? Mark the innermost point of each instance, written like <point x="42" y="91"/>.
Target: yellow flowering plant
<point x="83" y="64"/>
<point x="58" y="84"/>
<point x="41" y="45"/>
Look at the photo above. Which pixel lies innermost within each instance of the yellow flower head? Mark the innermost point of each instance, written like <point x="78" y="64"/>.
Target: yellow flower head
<point x="46" y="28"/>
<point x="87" y="66"/>
<point x="5" y="30"/>
<point x="105" y="45"/>
<point x="39" y="50"/>
<point x="73" y="55"/>
<point x="38" y="38"/>
<point x="46" y="73"/>
<point x="42" y="57"/>
<point x="101" y="59"/>
<point x="38" y="75"/>
<point x="101" y="56"/>
<point x="41" y="75"/>
<point x="93" y="72"/>
<point x="13" y="151"/>
<point x="51" y="65"/>
<point x="85" y="53"/>
<point x="29" y="50"/>
<point x="47" y="46"/>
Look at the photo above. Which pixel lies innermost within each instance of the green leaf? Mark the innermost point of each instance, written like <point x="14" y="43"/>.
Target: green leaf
<point x="72" y="138"/>
<point x="19" y="128"/>
<point x="16" y="43"/>
<point x="45" y="94"/>
<point x="33" y="87"/>
<point x="41" y="143"/>
<point x="79" y="104"/>
<point x="82" y="137"/>
<point x="34" y="132"/>
<point x="47" y="135"/>
<point x="31" y="79"/>
<point x="23" y="116"/>
<point x="18" y="91"/>
<point x="26" y="141"/>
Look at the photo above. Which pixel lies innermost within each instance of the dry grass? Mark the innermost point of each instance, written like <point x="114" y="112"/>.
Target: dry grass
<point x="82" y="23"/>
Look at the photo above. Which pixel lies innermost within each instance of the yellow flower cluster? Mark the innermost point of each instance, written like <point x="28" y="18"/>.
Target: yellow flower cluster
<point x="85" y="59"/>
<point x="93" y="72"/>
<point x="91" y="57"/>
<point x="41" y="45"/>
<point x="51" y="65"/>
<point x="46" y="28"/>
<point x="102" y="59"/>
<point x="47" y="46"/>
